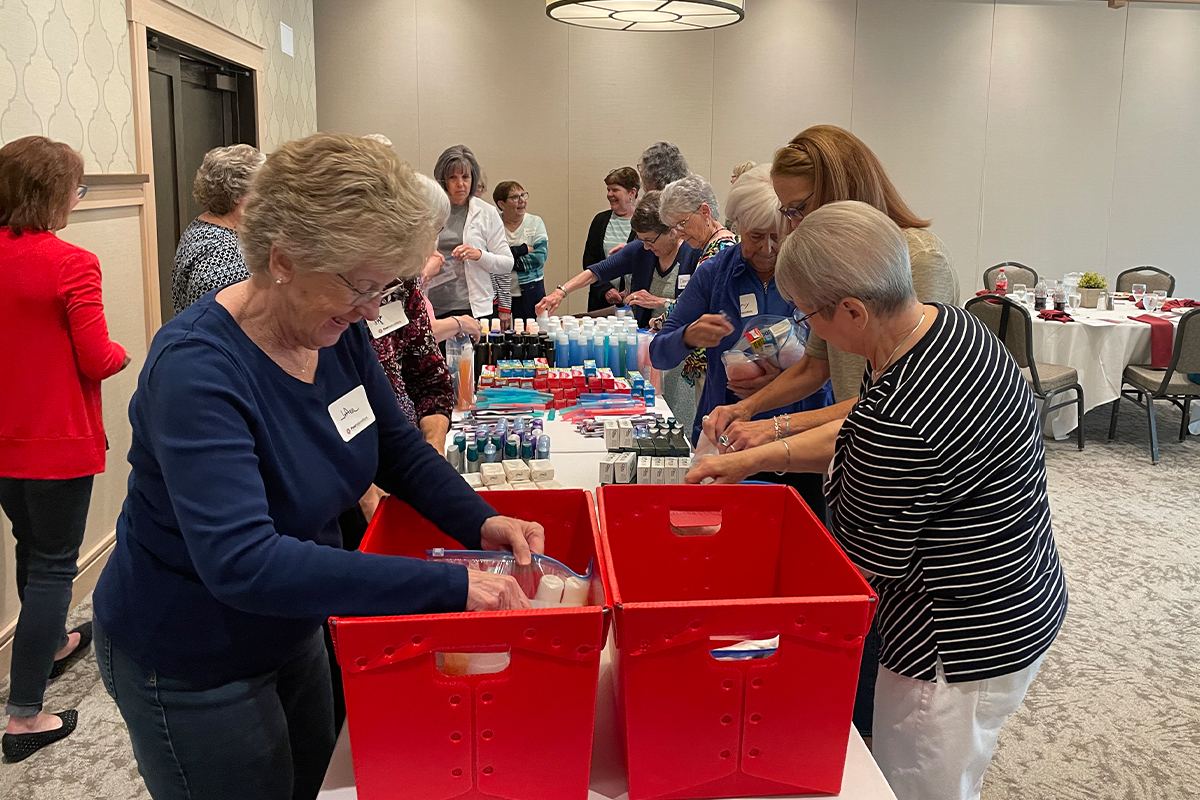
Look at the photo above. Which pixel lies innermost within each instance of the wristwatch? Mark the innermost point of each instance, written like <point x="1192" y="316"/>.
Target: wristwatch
<point x="562" y="289"/>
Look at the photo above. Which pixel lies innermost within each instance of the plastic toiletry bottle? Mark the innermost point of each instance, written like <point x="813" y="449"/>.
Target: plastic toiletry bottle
<point x="543" y="446"/>
<point x="1002" y="282"/>
<point x="489" y="453"/>
<point x="576" y="350"/>
<point x="619" y="367"/>
<point x="562" y="355"/>
<point x="512" y="446"/>
<point x="527" y="448"/>
<point x="600" y="351"/>
<point x="454" y="456"/>
<point x="631" y="353"/>
<point x="472" y="457"/>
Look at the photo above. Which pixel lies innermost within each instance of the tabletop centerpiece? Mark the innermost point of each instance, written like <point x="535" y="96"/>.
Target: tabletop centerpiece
<point x="1091" y="284"/>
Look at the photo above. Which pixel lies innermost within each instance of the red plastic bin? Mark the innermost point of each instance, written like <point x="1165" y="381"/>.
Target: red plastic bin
<point x="522" y="733"/>
<point x="687" y="565"/>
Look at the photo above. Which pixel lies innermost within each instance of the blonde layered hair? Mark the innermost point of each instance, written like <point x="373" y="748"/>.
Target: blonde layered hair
<point x="842" y="167"/>
<point x="332" y="202"/>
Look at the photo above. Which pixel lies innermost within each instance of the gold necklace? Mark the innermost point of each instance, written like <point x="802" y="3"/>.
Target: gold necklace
<point x="875" y="373"/>
<point x="303" y="369"/>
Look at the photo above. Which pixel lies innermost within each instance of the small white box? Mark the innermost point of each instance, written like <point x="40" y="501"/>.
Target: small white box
<point x="482" y="488"/>
<point x="608" y="466"/>
<point x="626" y="469"/>
<point x="612" y="435"/>
<point x="540" y="469"/>
<point x="473" y="480"/>
<point x="491" y="474"/>
<point x="499" y="487"/>
<point x="523" y="485"/>
<point x="549" y="485"/>
<point x="516" y="470"/>
<point x="657" y="469"/>
<point x="626" y="429"/>
<point x="670" y="470"/>
<point x="643" y="469"/>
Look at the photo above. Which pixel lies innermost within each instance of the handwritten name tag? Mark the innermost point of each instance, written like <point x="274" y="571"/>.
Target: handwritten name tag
<point x="749" y="305"/>
<point x="352" y="413"/>
<point x="391" y="318"/>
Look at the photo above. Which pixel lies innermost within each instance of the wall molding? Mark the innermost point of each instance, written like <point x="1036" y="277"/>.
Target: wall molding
<point x="115" y="190"/>
<point x="91" y="564"/>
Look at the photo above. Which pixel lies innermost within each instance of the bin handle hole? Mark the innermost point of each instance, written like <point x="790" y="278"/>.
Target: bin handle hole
<point x="706" y="522"/>
<point x="457" y="664"/>
<point x="743" y="648"/>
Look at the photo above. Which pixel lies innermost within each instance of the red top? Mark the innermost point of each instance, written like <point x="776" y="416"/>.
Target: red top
<point x="54" y="351"/>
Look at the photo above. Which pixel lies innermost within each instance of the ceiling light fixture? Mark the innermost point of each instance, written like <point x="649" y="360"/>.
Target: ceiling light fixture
<point x="648" y="15"/>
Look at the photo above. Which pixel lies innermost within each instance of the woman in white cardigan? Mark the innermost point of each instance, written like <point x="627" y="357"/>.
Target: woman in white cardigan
<point x="472" y="246"/>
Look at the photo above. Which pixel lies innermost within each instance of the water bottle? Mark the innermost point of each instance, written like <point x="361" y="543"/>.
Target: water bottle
<point x="1039" y="295"/>
<point x="1002" y="282"/>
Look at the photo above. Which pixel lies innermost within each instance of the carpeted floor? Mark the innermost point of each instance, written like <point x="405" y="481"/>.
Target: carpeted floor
<point x="1115" y="712"/>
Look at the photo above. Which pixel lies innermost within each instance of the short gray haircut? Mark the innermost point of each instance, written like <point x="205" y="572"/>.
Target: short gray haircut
<point x="846" y="249"/>
<point x="379" y="137"/>
<point x="662" y="163"/>
<point x="224" y="177"/>
<point x="752" y="203"/>
<point x="685" y="196"/>
<point x="458" y="155"/>
<point x="436" y="199"/>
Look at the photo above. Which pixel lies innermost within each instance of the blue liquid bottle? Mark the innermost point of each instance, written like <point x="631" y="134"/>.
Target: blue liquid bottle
<point x="600" y="352"/>
<point x="576" y="350"/>
<point x="631" y="353"/>
<point x="614" y="354"/>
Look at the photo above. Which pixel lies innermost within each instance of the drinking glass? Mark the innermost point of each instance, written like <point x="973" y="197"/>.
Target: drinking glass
<point x="1018" y="292"/>
<point x="1161" y="294"/>
<point x="1138" y="290"/>
<point x="1150" y="302"/>
<point x="1073" y="300"/>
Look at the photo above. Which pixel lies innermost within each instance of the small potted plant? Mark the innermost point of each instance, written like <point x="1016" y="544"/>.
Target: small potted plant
<point x="1090" y="286"/>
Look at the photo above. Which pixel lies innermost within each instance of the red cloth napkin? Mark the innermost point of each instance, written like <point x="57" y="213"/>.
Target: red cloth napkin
<point x="1162" y="339"/>
<point x="1052" y="315"/>
<point x="1173" y="304"/>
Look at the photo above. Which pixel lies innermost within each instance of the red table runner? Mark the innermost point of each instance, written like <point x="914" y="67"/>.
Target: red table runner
<point x="1162" y="339"/>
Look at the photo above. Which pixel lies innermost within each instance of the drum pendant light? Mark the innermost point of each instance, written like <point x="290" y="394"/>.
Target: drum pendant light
<point x="648" y="15"/>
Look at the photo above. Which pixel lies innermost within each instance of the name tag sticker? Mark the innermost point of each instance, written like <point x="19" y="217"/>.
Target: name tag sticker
<point x="683" y="281"/>
<point x="352" y="413"/>
<point x="391" y="318"/>
<point x="749" y="304"/>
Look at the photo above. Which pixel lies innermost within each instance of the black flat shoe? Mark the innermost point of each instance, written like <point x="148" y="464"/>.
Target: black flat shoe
<point x="20" y="746"/>
<point x="63" y="664"/>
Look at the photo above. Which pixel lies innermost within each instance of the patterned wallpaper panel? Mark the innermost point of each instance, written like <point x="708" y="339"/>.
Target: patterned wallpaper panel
<point x="64" y="72"/>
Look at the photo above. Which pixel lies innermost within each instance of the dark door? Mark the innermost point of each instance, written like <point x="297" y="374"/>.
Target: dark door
<point x="197" y="102"/>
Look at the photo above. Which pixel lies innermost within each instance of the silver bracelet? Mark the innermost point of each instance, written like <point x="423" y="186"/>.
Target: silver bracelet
<point x="778" y="433"/>
<point x="789" y="454"/>
<point x="787" y="418"/>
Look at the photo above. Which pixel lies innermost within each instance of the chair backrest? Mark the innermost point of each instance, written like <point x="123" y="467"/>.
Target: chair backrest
<point x="1156" y="280"/>
<point x="1013" y="327"/>
<point x="1186" y="358"/>
<point x="1014" y="271"/>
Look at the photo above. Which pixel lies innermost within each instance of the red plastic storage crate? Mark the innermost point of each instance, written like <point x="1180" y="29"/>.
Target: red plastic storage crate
<point x="688" y="565"/>
<point x="524" y="733"/>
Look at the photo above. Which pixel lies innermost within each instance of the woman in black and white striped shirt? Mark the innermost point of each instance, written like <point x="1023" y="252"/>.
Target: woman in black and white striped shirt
<point x="936" y="490"/>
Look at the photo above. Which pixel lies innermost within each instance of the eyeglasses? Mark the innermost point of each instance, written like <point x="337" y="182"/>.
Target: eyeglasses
<point x="795" y="212"/>
<point x="361" y="298"/>
<point x="800" y="318"/>
<point x="651" y="241"/>
<point x="514" y="197"/>
<point x="678" y="226"/>
<point x="81" y="191"/>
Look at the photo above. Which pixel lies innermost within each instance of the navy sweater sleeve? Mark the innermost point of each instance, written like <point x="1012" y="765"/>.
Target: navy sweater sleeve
<point x="202" y="410"/>
<point x="622" y="262"/>
<point x="667" y="349"/>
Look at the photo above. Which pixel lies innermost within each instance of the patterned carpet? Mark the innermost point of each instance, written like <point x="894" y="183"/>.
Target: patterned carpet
<point x="1117" y="701"/>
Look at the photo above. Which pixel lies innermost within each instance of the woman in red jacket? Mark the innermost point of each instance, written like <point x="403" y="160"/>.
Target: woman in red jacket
<point x="54" y="351"/>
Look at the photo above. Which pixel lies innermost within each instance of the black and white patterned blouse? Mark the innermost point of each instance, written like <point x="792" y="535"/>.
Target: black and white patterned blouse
<point x="208" y="257"/>
<point x="938" y="487"/>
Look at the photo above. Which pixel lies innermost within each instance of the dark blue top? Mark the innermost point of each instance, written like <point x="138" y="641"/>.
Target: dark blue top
<point x="719" y="284"/>
<point x="640" y="260"/>
<point x="228" y="553"/>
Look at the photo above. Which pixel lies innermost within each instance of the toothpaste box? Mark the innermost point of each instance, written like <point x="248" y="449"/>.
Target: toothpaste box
<point x="626" y="468"/>
<point x="643" y="469"/>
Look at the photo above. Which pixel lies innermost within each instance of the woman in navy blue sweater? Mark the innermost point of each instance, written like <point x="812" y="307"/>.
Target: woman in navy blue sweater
<point x="261" y="413"/>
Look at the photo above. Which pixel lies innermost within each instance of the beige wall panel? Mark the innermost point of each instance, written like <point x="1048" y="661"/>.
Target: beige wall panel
<point x="789" y="65"/>
<point x="1156" y="204"/>
<point x="629" y="90"/>
<point x="920" y="102"/>
<point x="493" y="76"/>
<point x="1052" y="134"/>
<point x="368" y="49"/>
<point x="113" y="235"/>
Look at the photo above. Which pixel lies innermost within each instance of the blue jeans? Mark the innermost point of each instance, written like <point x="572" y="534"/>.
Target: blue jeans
<point x="269" y="737"/>
<point x="48" y="519"/>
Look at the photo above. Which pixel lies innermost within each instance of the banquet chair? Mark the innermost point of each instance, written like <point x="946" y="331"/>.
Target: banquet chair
<point x="1014" y="271"/>
<point x="1156" y="280"/>
<point x="1011" y="323"/>
<point x="1145" y="384"/>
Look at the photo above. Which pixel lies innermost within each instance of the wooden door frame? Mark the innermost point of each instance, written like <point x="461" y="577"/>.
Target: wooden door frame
<point x="166" y="18"/>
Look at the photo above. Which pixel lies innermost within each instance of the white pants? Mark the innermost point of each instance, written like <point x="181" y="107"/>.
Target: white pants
<point x="934" y="740"/>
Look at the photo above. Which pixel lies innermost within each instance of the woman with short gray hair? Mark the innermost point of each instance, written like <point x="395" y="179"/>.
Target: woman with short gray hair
<point x="937" y="492"/>
<point x="208" y="256"/>
<point x="660" y="164"/>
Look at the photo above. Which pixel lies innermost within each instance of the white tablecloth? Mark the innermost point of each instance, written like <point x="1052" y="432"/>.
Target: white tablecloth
<point x="1099" y="345"/>
<point x="576" y="464"/>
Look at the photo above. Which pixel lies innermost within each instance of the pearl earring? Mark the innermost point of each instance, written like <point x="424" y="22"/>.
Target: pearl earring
<point x="279" y="280"/>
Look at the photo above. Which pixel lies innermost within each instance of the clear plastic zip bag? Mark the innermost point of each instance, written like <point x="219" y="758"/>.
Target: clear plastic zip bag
<point x="766" y="337"/>
<point x="547" y="582"/>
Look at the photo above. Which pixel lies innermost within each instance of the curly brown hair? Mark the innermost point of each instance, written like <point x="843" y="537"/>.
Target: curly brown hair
<point x="224" y="177"/>
<point x="38" y="178"/>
